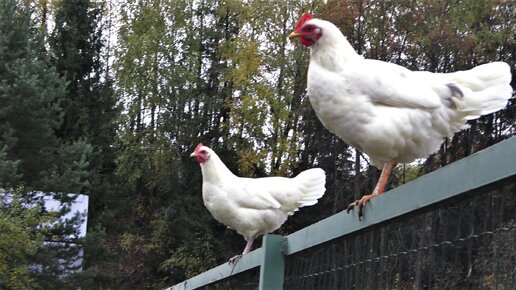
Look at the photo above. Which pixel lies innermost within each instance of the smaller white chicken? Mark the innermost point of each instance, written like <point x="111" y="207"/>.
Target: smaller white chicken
<point x="254" y="206"/>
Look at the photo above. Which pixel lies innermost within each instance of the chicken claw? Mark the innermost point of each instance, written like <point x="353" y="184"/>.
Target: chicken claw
<point x="361" y="204"/>
<point x="235" y="259"/>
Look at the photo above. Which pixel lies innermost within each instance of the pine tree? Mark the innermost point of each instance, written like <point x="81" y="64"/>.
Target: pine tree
<point x="32" y="157"/>
<point x="29" y="97"/>
<point x="89" y="113"/>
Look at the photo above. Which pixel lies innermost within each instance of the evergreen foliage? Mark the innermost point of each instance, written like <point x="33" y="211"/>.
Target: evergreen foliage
<point x="90" y="111"/>
<point x="34" y="158"/>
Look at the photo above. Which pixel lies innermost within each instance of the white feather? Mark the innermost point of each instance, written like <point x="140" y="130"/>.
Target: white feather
<point x="390" y="112"/>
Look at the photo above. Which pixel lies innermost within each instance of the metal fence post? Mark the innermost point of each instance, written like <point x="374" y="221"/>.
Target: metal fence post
<point x="272" y="270"/>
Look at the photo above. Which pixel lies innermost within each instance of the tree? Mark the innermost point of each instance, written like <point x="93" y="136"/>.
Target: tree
<point x="89" y="111"/>
<point x="172" y="97"/>
<point x="32" y="157"/>
<point x="21" y="235"/>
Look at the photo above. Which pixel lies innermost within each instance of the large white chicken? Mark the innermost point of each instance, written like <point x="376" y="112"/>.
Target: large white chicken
<point x="392" y="114"/>
<point x="254" y="206"/>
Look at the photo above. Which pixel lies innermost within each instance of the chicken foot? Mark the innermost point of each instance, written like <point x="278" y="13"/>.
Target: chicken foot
<point x="247" y="249"/>
<point x="379" y="189"/>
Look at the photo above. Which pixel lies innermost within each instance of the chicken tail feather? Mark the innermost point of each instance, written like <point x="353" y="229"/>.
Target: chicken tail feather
<point x="312" y="183"/>
<point x="486" y="89"/>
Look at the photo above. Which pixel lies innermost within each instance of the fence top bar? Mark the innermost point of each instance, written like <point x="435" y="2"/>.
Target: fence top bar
<point x="480" y="169"/>
<point x="248" y="261"/>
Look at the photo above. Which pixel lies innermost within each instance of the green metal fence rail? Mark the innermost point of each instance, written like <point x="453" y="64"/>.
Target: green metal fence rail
<point x="419" y="203"/>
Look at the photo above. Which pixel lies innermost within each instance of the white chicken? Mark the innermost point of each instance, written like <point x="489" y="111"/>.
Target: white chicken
<point x="254" y="206"/>
<point x="392" y="114"/>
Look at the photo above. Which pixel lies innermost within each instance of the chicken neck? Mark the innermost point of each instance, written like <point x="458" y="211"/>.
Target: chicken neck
<point x="215" y="171"/>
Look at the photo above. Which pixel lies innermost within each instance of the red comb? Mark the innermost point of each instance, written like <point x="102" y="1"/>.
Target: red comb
<point x="307" y="16"/>
<point x="198" y="147"/>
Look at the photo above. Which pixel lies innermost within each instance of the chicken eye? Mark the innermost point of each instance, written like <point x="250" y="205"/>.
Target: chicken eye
<point x="308" y="28"/>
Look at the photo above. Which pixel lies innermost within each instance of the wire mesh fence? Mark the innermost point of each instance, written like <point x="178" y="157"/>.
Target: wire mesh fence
<point x="468" y="243"/>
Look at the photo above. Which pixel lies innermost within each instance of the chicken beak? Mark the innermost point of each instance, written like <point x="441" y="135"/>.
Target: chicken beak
<point x="193" y="155"/>
<point x="294" y="35"/>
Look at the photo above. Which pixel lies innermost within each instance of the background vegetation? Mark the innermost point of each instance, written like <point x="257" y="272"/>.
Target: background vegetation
<point x="109" y="98"/>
